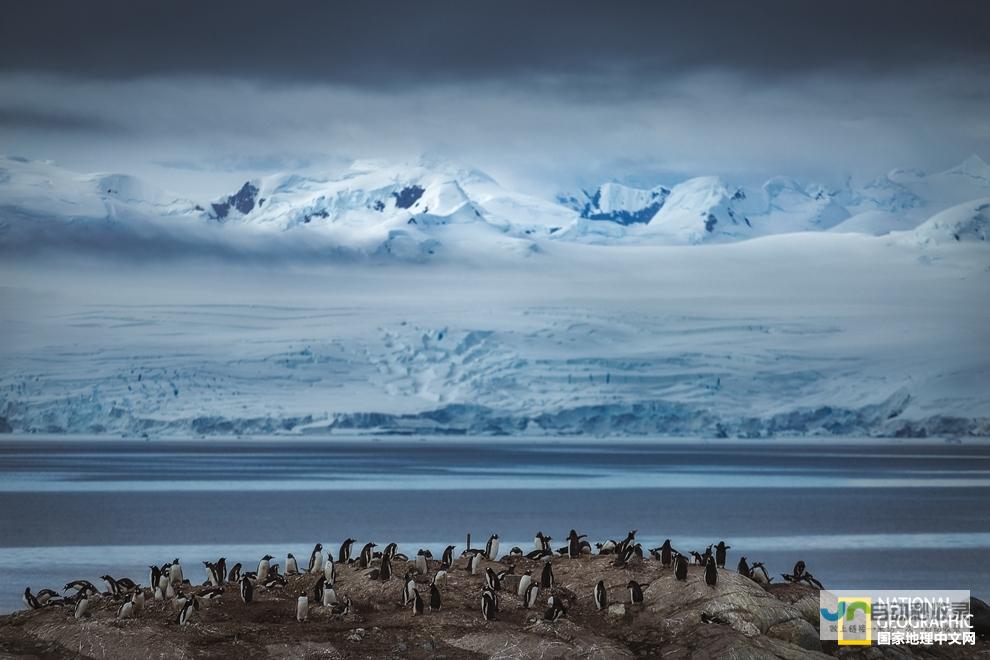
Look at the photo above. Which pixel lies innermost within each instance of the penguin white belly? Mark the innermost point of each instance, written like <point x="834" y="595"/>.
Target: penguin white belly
<point x="524" y="583"/>
<point x="302" y="608"/>
<point x="329" y="571"/>
<point x="329" y="597"/>
<point x="175" y="574"/>
<point x="263" y="567"/>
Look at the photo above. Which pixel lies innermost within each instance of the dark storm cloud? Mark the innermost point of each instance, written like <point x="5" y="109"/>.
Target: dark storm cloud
<point x="383" y="44"/>
<point x="15" y="118"/>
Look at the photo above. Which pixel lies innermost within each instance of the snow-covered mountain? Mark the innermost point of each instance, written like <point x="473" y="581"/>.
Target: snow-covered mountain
<point x="430" y="206"/>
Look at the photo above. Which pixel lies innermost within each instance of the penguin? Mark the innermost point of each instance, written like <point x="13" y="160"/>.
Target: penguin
<point x="82" y="586"/>
<point x="620" y="547"/>
<point x="493" y="595"/>
<point x="45" y="595"/>
<point x="797" y="574"/>
<point x="159" y="594"/>
<point x="759" y="573"/>
<point x="491" y="580"/>
<point x="188" y="607"/>
<point x="154" y="575"/>
<point x="555" y="609"/>
<point x="30" y="601"/>
<point x="329" y="597"/>
<point x="247" y="590"/>
<point x="82" y="606"/>
<point x="448" y="558"/>
<point x="488" y="606"/>
<point x="705" y="557"/>
<point x="546" y="578"/>
<point x="210" y="595"/>
<point x="666" y="554"/>
<point x="344" y="556"/>
<point x="330" y="570"/>
<point x="302" y="607"/>
<point x="340" y="610"/>
<point x="169" y="591"/>
<point x="515" y="552"/>
<point x="385" y="571"/>
<point x="175" y="572"/>
<point x="408" y="589"/>
<point x="434" y="598"/>
<point x="680" y="567"/>
<point x="211" y="573"/>
<point x="315" y="559"/>
<point x="291" y="565"/>
<point x="491" y="548"/>
<point x="524" y="582"/>
<point x="697" y="559"/>
<point x="264" y="566"/>
<point x="222" y="570"/>
<point x="711" y="572"/>
<point x="390" y="550"/>
<point x="235" y="573"/>
<point x="474" y="563"/>
<point x="137" y="599"/>
<point x="440" y="577"/>
<point x="601" y="595"/>
<point x="319" y="588"/>
<point x="743" y="567"/>
<point x="529" y="597"/>
<point x="539" y="554"/>
<point x="574" y="544"/>
<point x="112" y="587"/>
<point x="421" y="564"/>
<point x="635" y="592"/>
<point x="623" y="558"/>
<point x="810" y="579"/>
<point x="126" y="610"/>
<point x="364" y="560"/>
<point x="541" y="543"/>
<point x="163" y="582"/>
<point x="606" y="548"/>
<point x="417" y="604"/>
<point x="274" y="581"/>
<point x="720" y="553"/>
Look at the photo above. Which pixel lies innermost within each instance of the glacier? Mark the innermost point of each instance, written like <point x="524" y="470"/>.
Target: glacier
<point x="426" y="298"/>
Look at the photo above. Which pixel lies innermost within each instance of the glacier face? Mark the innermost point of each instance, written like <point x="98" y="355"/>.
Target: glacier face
<point x="427" y="298"/>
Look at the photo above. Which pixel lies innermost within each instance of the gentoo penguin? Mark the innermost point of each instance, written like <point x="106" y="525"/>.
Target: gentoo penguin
<point x="606" y="548"/>
<point x="697" y="559"/>
<point x="82" y="586"/>
<point x="175" y="572"/>
<point x="797" y="574"/>
<point x="408" y="589"/>
<point x="29" y="600"/>
<point x="417" y="604"/>
<point x="247" y="590"/>
<point x="364" y="560"/>
<point x="154" y="575"/>
<point x="210" y="595"/>
<point x="711" y="572"/>
<point x="623" y="558"/>
<point x="137" y="599"/>
<point x="211" y="573"/>
<point x="222" y="569"/>
<point x="315" y="559"/>
<point x="810" y="579"/>
<point x="344" y="556"/>
<point x="720" y="553"/>
<point x="263" y="567"/>
<point x="126" y="610"/>
<point x="524" y="582"/>
<point x="626" y="542"/>
<point x="529" y="597"/>
<point x="635" y="592"/>
<point x="291" y="565"/>
<point x="45" y="595"/>
<point x="743" y="567"/>
<point x="492" y="594"/>
<point x="488" y="606"/>
<point x="82" y="606"/>
<point x="159" y="594"/>
<point x="574" y="544"/>
<point x="340" y="610"/>
<point x="169" y="591"/>
<point x="666" y="554"/>
<point x="434" y="598"/>
<point x="542" y="542"/>
<point x="390" y="550"/>
<point x="491" y="580"/>
<point x="759" y="573"/>
<point x="330" y="570"/>
<point x="274" y="581"/>
<point x="601" y="595"/>
<point x="491" y="548"/>
<point x="708" y="554"/>
<point x="680" y="567"/>
<point x="318" y="588"/>
<point x="421" y="564"/>
<point x="515" y="552"/>
<point x="440" y="577"/>
<point x="302" y="607"/>
<point x="235" y="573"/>
<point x="112" y="587"/>
<point x="188" y="607"/>
<point x="474" y="563"/>
<point x="329" y="596"/>
<point x="555" y="609"/>
<point x="546" y="578"/>
<point x="385" y="571"/>
<point x="448" y="558"/>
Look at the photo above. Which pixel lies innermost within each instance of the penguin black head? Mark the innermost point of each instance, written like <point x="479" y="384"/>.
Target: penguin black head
<point x="319" y="546"/>
<point x="267" y="558"/>
<point x="632" y="584"/>
<point x="290" y="556"/>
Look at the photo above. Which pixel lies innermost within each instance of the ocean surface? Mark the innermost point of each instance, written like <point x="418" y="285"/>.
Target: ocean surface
<point x="861" y="513"/>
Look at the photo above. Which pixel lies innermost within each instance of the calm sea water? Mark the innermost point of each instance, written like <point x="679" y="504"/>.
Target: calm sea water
<point x="861" y="513"/>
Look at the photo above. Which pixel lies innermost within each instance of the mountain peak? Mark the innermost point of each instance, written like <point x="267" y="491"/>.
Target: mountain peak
<point x="974" y="166"/>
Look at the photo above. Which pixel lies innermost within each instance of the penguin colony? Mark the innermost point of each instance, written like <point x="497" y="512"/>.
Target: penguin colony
<point x="423" y="579"/>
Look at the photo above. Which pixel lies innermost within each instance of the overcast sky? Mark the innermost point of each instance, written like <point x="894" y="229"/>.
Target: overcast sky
<point x="546" y="96"/>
